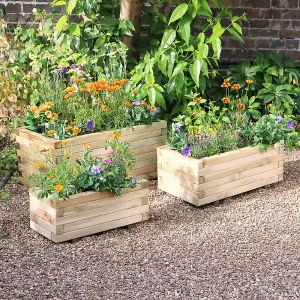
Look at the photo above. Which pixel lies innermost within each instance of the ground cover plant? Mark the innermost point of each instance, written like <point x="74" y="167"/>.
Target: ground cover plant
<point x="69" y="177"/>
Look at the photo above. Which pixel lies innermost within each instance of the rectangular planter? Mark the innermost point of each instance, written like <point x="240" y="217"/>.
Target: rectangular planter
<point x="144" y="139"/>
<point x="201" y="181"/>
<point x="88" y="213"/>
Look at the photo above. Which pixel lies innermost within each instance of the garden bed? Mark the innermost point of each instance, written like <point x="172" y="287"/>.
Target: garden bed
<point x="201" y="181"/>
<point x="144" y="139"/>
<point x="88" y="213"/>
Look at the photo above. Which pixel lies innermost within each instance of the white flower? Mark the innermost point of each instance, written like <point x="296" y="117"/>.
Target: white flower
<point x="4" y="26"/>
<point x="34" y="10"/>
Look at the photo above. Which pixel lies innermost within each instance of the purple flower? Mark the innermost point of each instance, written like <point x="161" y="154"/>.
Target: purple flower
<point x="158" y="110"/>
<point x="107" y="161"/>
<point x="186" y="151"/>
<point x="137" y="102"/>
<point x="62" y="70"/>
<point x="133" y="180"/>
<point x="178" y="126"/>
<point x="90" y="125"/>
<point x="81" y="68"/>
<point x="73" y="66"/>
<point x="290" y="124"/>
<point x="96" y="169"/>
<point x="111" y="153"/>
<point x="279" y="119"/>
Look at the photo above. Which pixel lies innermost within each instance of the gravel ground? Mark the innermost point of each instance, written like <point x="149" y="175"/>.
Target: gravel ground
<point x="246" y="248"/>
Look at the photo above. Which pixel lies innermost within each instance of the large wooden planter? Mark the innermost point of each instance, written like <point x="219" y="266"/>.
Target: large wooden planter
<point x="201" y="181"/>
<point x="88" y="213"/>
<point x="144" y="140"/>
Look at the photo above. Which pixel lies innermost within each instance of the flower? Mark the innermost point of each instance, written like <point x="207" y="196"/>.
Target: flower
<point x="64" y="143"/>
<point x="39" y="165"/>
<point x="116" y="136"/>
<point x="51" y="131"/>
<point x="236" y="87"/>
<point x="134" y="91"/>
<point x="68" y="95"/>
<point x="225" y="100"/>
<point x="69" y="128"/>
<point x="190" y="137"/>
<point x="186" y="151"/>
<point x="44" y="150"/>
<point x="90" y="125"/>
<point x="226" y="83"/>
<point x="71" y="89"/>
<point x="58" y="188"/>
<point x="133" y="181"/>
<point x="34" y="10"/>
<point x="62" y="70"/>
<point x="44" y="107"/>
<point x="197" y="99"/>
<point x="178" y="126"/>
<point x="127" y="103"/>
<point x="87" y="145"/>
<point x="104" y="107"/>
<point x="137" y="102"/>
<point x="34" y="108"/>
<point x="294" y="81"/>
<point x="36" y="114"/>
<point x="249" y="81"/>
<point x="152" y="107"/>
<point x="290" y="124"/>
<point x="95" y="169"/>
<point x="55" y="116"/>
<point x="270" y="105"/>
<point x="51" y="176"/>
<point x="241" y="106"/>
<point x="279" y="119"/>
<point x="107" y="161"/>
<point x="111" y="153"/>
<point x="78" y="80"/>
<point x="158" y="110"/>
<point x="73" y="123"/>
<point x="76" y="131"/>
<point x="74" y="66"/>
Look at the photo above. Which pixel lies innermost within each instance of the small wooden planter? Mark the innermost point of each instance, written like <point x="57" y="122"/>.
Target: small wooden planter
<point x="144" y="140"/>
<point x="88" y="213"/>
<point x="201" y="181"/>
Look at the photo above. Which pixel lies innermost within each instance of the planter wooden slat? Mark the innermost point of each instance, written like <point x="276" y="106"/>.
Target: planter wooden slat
<point x="88" y="213"/>
<point x="143" y="139"/>
<point x="201" y="181"/>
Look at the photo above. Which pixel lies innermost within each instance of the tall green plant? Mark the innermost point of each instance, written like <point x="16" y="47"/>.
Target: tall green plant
<point x="182" y="66"/>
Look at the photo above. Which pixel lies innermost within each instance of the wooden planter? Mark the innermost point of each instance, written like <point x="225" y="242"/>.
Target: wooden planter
<point x="144" y="140"/>
<point x="88" y="213"/>
<point x="201" y="181"/>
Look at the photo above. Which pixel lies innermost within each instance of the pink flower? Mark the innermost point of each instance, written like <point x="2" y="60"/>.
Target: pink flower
<point x="107" y="161"/>
<point x="190" y="137"/>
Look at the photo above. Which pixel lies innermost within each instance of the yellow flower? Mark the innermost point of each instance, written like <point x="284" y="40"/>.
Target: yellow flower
<point x="68" y="95"/>
<point x="44" y="107"/>
<point x="68" y="156"/>
<point x="49" y="103"/>
<point x="58" y="188"/>
<point x="270" y="105"/>
<point x="134" y="91"/>
<point x="39" y="165"/>
<point x="294" y="81"/>
<point x="152" y="107"/>
<point x="143" y="102"/>
<point x="76" y="131"/>
<point x="116" y="136"/>
<point x="48" y="114"/>
<point x="64" y="143"/>
<point x="104" y="107"/>
<point x="55" y="116"/>
<point x="34" y="108"/>
<point x="51" y="131"/>
<point x="69" y="128"/>
<point x="87" y="145"/>
<point x="51" y="176"/>
<point x="36" y="114"/>
<point x="249" y="81"/>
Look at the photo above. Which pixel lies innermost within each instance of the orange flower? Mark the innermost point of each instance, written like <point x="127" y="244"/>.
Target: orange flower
<point x="44" y="107"/>
<point x="143" y="102"/>
<point x="34" y="108"/>
<point x="87" y="145"/>
<point x="69" y="128"/>
<point x="104" y="107"/>
<point x="76" y="131"/>
<point x="55" y="116"/>
<point x="78" y="80"/>
<point x="58" y="188"/>
<point x="36" y="114"/>
<point x="39" y="165"/>
<point x="68" y="95"/>
<point x="249" y="81"/>
<point x="226" y="83"/>
<point x="236" y="87"/>
<point x="73" y="123"/>
<point x="68" y="156"/>
<point x="241" y="106"/>
<point x="127" y="103"/>
<point x="64" y="143"/>
<point x="197" y="99"/>
<point x="134" y="91"/>
<point x="71" y="89"/>
<point x="44" y="150"/>
<point x="152" y="107"/>
<point x="294" y="82"/>
<point x="51" y="131"/>
<point x="225" y="100"/>
<point x="48" y="114"/>
<point x="116" y="136"/>
<point x="51" y="176"/>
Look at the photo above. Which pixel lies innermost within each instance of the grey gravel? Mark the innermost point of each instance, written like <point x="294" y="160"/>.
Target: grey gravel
<point x="248" y="247"/>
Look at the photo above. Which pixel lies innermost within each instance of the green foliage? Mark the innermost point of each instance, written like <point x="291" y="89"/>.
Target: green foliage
<point x="86" y="174"/>
<point x="8" y="162"/>
<point x="182" y="64"/>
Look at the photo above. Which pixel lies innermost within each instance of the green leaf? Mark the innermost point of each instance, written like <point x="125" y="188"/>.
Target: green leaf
<point x="171" y="62"/>
<point x="152" y="95"/>
<point x="99" y="42"/>
<point x="235" y="34"/>
<point x="179" y="11"/>
<point x="195" y="70"/>
<point x="185" y="29"/>
<point x="218" y="30"/>
<point x="162" y="64"/>
<point x="74" y="29"/>
<point x="61" y="23"/>
<point x="238" y="28"/>
<point x="58" y="3"/>
<point x="272" y="71"/>
<point x="217" y="47"/>
<point x="71" y="5"/>
<point x="150" y="79"/>
<point x="195" y="3"/>
<point x="168" y="38"/>
<point x="160" y="100"/>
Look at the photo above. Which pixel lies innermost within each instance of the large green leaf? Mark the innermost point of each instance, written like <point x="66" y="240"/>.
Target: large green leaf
<point x="179" y="11"/>
<point x="152" y="95"/>
<point x="168" y="38"/>
<point x="195" y="70"/>
<point x="218" y="31"/>
<point x="61" y="24"/>
<point x="235" y="34"/>
<point x="74" y="29"/>
<point x="71" y="5"/>
<point x="160" y="100"/>
<point x="185" y="28"/>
